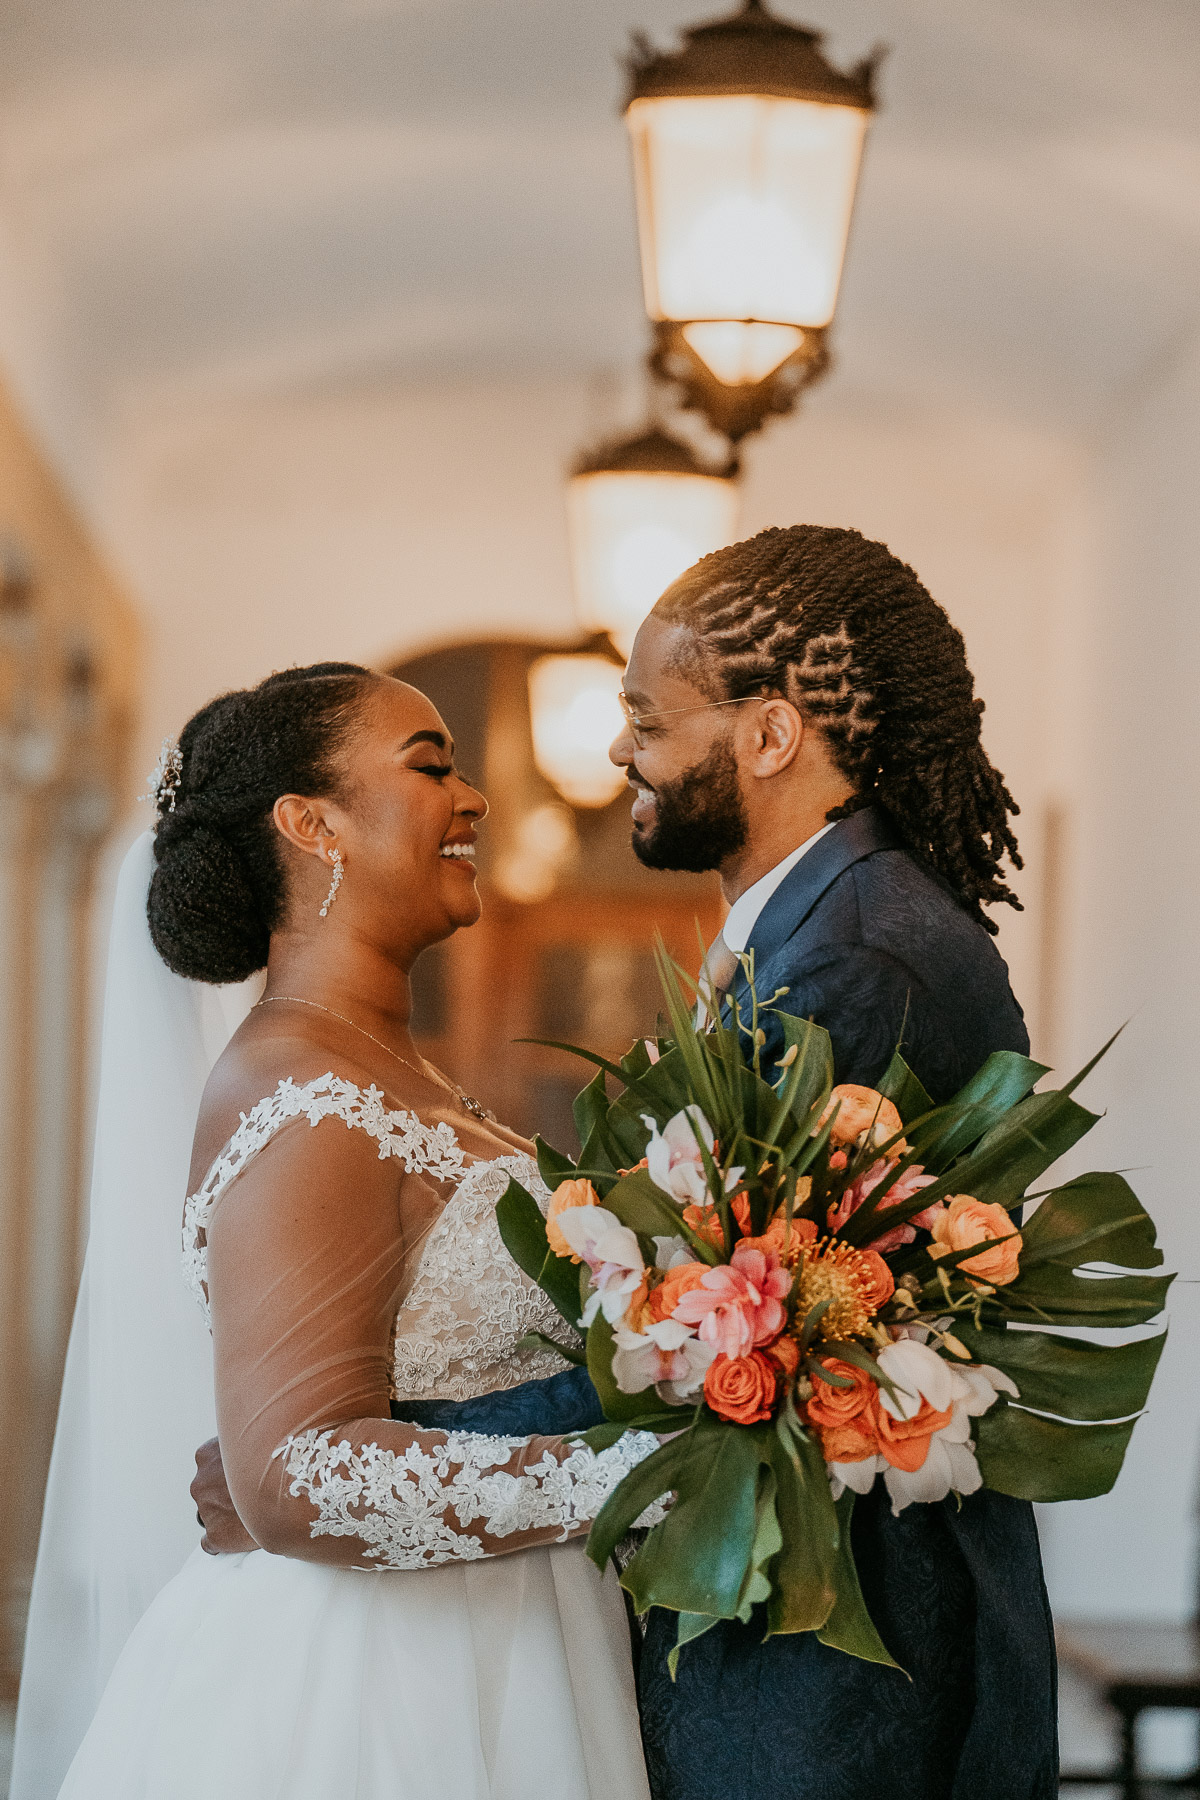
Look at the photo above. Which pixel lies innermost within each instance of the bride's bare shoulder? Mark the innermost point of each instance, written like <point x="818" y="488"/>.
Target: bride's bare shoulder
<point x="258" y="1057"/>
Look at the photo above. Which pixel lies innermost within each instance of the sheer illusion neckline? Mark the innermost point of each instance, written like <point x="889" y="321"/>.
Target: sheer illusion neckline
<point x="431" y="1150"/>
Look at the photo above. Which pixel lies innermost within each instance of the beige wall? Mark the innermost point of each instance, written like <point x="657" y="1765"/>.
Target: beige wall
<point x="69" y="682"/>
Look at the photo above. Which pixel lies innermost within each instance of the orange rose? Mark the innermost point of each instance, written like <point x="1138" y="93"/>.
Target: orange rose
<point x="776" y="1237"/>
<point x="675" y="1283"/>
<point x="832" y="1406"/>
<point x="852" y="1442"/>
<point x="742" y="1388"/>
<point x="844" y="1416"/>
<point x="785" y="1354"/>
<point x="861" y="1109"/>
<point x="565" y="1195"/>
<point x="967" y="1221"/>
<point x="705" y="1221"/>
<point x="878" y="1285"/>
<point x="905" y="1442"/>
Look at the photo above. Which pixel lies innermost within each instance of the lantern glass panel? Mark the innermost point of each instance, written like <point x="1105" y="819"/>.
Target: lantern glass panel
<point x="633" y="532"/>
<point x="737" y="352"/>
<point x="576" y="715"/>
<point x="744" y="205"/>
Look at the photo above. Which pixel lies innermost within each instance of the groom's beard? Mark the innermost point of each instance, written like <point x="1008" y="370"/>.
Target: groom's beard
<point x="699" y="818"/>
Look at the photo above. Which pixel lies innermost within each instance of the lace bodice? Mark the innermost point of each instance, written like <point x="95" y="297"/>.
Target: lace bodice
<point x="458" y="1331"/>
<point x="309" y="1314"/>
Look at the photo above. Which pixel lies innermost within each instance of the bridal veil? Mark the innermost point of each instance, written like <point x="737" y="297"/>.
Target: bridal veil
<point x="118" y="1520"/>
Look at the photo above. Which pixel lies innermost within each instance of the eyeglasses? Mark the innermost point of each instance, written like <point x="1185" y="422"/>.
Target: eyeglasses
<point x="637" y="721"/>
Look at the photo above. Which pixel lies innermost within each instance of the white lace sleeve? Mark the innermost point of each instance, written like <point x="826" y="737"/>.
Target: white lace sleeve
<point x="412" y="1508"/>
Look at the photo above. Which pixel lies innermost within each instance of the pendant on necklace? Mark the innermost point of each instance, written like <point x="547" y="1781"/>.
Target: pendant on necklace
<point x="475" y="1106"/>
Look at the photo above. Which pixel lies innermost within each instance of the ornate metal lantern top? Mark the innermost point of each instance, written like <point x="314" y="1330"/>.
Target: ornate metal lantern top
<point x="753" y="51"/>
<point x="652" y="452"/>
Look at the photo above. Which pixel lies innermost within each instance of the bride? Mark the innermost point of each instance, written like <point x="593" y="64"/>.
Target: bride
<point x="420" y="1620"/>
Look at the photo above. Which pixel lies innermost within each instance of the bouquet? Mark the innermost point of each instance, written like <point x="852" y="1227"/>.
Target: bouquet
<point x="808" y="1289"/>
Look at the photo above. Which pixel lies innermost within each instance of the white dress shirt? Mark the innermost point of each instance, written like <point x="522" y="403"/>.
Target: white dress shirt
<point x="744" y="914"/>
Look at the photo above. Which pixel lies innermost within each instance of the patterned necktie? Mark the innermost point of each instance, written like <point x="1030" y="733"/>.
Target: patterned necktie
<point x="721" y="965"/>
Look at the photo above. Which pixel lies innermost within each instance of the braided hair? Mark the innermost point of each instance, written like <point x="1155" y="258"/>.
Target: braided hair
<point x="847" y="632"/>
<point x="218" y="889"/>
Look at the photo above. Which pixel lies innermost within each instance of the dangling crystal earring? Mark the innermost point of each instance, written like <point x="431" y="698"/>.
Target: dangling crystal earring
<point x="339" y="869"/>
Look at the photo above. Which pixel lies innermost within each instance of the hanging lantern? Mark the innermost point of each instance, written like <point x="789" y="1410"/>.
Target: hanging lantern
<point x="576" y="714"/>
<point x="640" y="512"/>
<point x="747" y="146"/>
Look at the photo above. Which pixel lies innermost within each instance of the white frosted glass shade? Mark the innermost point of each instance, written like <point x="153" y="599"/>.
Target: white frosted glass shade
<point x="737" y="352"/>
<point x="744" y="205"/>
<point x="575" y="714"/>
<point x="632" y="532"/>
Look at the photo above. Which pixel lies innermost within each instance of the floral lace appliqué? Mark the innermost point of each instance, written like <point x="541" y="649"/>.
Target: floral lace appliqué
<point x="401" y="1505"/>
<point x="458" y="1331"/>
<point x="423" y="1149"/>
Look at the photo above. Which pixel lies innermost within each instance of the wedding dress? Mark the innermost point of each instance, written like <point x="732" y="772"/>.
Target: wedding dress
<point x="398" y="1653"/>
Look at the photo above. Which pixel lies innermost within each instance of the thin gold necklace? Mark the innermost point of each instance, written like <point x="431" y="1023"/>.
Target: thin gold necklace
<point x="427" y="1069"/>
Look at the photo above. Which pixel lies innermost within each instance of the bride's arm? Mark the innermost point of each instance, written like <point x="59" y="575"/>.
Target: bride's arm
<point x="305" y="1261"/>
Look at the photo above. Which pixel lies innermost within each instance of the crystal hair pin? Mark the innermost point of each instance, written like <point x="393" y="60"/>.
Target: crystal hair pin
<point x="165" y="776"/>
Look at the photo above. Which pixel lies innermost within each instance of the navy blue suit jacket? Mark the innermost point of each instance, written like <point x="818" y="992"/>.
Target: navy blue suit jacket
<point x="874" y="947"/>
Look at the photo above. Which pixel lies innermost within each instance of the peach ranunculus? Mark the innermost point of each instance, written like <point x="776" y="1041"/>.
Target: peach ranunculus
<point x="567" y="1194"/>
<point x="911" y="1182"/>
<point x="738" y="1305"/>
<point x="965" y="1221"/>
<point x="742" y="1389"/>
<point x="861" y="1110"/>
<point x="675" y="1283"/>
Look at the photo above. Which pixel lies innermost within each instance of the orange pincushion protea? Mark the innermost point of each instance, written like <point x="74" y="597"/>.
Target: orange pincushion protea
<point x="842" y="1275"/>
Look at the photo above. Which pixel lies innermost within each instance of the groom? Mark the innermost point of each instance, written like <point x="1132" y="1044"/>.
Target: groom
<point x="801" y="717"/>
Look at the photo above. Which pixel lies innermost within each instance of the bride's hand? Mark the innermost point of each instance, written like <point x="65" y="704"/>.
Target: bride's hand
<point x="224" y="1533"/>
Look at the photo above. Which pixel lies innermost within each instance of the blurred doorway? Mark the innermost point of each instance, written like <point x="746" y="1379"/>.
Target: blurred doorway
<point x="565" y="946"/>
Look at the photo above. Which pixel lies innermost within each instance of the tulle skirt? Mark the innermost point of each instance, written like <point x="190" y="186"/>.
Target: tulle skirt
<point x="256" y="1677"/>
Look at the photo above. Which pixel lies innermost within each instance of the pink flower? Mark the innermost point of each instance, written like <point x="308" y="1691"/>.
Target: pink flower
<point x="910" y="1183"/>
<point x="675" y="1161"/>
<point x="738" y="1304"/>
<point x="611" y="1251"/>
<point x="667" y="1354"/>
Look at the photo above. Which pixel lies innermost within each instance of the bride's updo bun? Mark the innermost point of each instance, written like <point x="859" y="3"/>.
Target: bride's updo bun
<point x="217" y="892"/>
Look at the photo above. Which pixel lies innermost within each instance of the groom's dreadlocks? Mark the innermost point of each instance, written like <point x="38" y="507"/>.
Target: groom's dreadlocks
<point x="847" y="632"/>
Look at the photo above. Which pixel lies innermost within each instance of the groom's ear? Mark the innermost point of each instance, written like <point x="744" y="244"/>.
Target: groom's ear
<point x="777" y="734"/>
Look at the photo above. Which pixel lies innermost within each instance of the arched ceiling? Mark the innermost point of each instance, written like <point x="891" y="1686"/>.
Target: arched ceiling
<point x="195" y="193"/>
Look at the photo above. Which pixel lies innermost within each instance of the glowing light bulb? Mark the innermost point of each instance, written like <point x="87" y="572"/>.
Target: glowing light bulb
<point x="633" y="532"/>
<point x="576" y="714"/>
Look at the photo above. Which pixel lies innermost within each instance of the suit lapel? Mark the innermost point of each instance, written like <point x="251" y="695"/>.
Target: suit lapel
<point x="852" y="839"/>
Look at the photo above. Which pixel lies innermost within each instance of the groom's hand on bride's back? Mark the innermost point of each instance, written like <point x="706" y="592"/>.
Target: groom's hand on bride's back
<point x="224" y="1532"/>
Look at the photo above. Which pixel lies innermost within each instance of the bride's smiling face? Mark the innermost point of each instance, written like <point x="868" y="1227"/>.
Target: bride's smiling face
<point x="404" y="822"/>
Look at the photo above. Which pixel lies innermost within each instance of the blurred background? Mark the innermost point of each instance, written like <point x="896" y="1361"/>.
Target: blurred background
<point x="317" y="319"/>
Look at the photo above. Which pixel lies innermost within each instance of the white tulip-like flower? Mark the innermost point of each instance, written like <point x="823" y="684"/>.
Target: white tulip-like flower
<point x="918" y="1373"/>
<point x="674" y="1160"/>
<point x="611" y="1252"/>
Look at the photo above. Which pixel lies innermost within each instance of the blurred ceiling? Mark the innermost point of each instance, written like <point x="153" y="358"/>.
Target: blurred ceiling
<point x="205" y="193"/>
